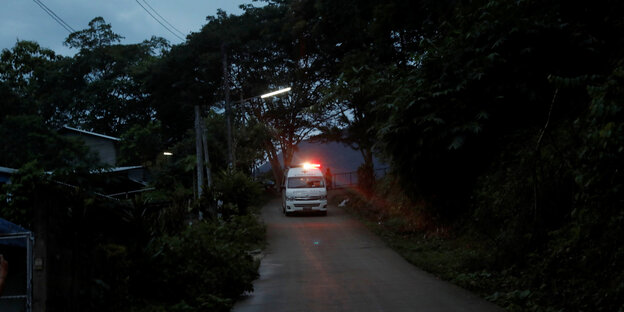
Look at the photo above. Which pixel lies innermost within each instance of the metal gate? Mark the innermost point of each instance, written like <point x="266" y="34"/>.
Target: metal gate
<point x="17" y="248"/>
<point x="350" y="179"/>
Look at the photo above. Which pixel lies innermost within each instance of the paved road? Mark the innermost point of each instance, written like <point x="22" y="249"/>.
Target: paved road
<point x="334" y="263"/>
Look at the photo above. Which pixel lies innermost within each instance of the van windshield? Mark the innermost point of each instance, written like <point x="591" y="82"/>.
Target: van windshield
<point x="306" y="182"/>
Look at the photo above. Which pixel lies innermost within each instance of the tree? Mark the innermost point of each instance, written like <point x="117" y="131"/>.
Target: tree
<point x="358" y="61"/>
<point x="141" y="144"/>
<point x="266" y="58"/>
<point x="258" y="58"/>
<point x="33" y="81"/>
<point x="482" y="75"/>
<point x="110" y="97"/>
<point x="25" y="139"/>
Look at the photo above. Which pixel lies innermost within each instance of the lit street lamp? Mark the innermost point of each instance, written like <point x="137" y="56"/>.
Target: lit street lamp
<point x="228" y="113"/>
<point x="275" y="93"/>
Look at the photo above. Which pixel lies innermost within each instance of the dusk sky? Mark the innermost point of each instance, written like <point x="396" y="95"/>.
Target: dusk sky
<point x="27" y="20"/>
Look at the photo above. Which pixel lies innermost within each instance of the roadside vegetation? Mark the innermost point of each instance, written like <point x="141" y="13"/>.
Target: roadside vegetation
<point x="557" y="274"/>
<point x="151" y="253"/>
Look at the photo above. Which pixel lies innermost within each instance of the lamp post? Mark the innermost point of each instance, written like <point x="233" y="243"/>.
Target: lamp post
<point x="228" y="122"/>
<point x="275" y="93"/>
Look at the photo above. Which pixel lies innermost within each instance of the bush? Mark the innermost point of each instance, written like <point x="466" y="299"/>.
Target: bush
<point x="237" y="192"/>
<point x="207" y="266"/>
<point x="366" y="179"/>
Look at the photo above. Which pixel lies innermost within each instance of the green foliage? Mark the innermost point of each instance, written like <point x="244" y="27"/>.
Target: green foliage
<point x="16" y="199"/>
<point x="98" y="34"/>
<point x="26" y="138"/>
<point x="480" y="77"/>
<point x="559" y="205"/>
<point x="141" y="144"/>
<point x="139" y="92"/>
<point x="108" y="79"/>
<point x="237" y="191"/>
<point x="250" y="140"/>
<point x="33" y="82"/>
<point x="207" y="266"/>
<point x="527" y="193"/>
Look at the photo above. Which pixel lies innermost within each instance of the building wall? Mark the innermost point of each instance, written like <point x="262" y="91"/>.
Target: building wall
<point x="104" y="148"/>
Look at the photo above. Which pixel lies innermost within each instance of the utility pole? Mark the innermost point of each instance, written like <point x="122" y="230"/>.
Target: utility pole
<point x="228" y="107"/>
<point x="198" y="151"/>
<point x="211" y="205"/>
<point x="206" y="155"/>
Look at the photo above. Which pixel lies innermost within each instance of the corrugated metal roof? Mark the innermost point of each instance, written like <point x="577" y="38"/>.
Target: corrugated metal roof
<point x="8" y="170"/>
<point x="115" y="169"/>
<point x="92" y="133"/>
<point x="7" y="227"/>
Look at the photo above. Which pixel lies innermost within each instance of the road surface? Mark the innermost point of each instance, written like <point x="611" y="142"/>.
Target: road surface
<point x="333" y="263"/>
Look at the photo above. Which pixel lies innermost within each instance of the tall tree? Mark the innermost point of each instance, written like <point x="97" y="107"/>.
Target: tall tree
<point x="34" y="81"/>
<point x="358" y="61"/>
<point x="267" y="58"/>
<point x="110" y="97"/>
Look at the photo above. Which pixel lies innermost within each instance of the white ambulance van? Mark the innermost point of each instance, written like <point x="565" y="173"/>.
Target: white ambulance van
<point x="304" y="190"/>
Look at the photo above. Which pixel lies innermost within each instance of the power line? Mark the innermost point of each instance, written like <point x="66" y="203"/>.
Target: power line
<point x="165" y="20"/>
<point x="54" y="16"/>
<point x="159" y="22"/>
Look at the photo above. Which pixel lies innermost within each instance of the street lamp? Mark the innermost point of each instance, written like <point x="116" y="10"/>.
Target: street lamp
<point x="275" y="93"/>
<point x="229" y="131"/>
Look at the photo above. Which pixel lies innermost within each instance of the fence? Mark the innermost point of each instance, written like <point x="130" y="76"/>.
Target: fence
<point x="350" y="179"/>
<point x="18" y="250"/>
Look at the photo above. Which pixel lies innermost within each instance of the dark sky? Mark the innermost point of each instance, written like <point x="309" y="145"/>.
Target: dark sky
<point x="26" y="20"/>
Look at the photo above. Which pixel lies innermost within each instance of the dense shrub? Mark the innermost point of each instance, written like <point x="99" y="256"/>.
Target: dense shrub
<point x="236" y="191"/>
<point x="366" y="178"/>
<point x="207" y="266"/>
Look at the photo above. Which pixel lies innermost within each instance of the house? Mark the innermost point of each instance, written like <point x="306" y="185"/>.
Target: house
<point x="39" y="277"/>
<point x="16" y="246"/>
<point x="104" y="146"/>
<point x="5" y="175"/>
<point x="123" y="180"/>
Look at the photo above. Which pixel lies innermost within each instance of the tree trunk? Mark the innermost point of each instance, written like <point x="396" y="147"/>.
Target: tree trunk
<point x="367" y="154"/>
<point x="288" y="151"/>
<point x="366" y="173"/>
<point x="212" y="210"/>
<point x="287" y="155"/>
<point x="274" y="161"/>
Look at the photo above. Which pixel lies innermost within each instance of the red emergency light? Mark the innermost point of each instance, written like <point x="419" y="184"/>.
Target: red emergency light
<point x="311" y="166"/>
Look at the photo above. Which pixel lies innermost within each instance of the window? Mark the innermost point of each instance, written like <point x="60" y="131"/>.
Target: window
<point x="306" y="182"/>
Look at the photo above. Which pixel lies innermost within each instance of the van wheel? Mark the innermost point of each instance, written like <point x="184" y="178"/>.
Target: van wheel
<point x="323" y="213"/>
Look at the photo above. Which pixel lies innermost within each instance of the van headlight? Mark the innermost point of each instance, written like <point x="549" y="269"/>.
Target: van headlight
<point x="324" y="197"/>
